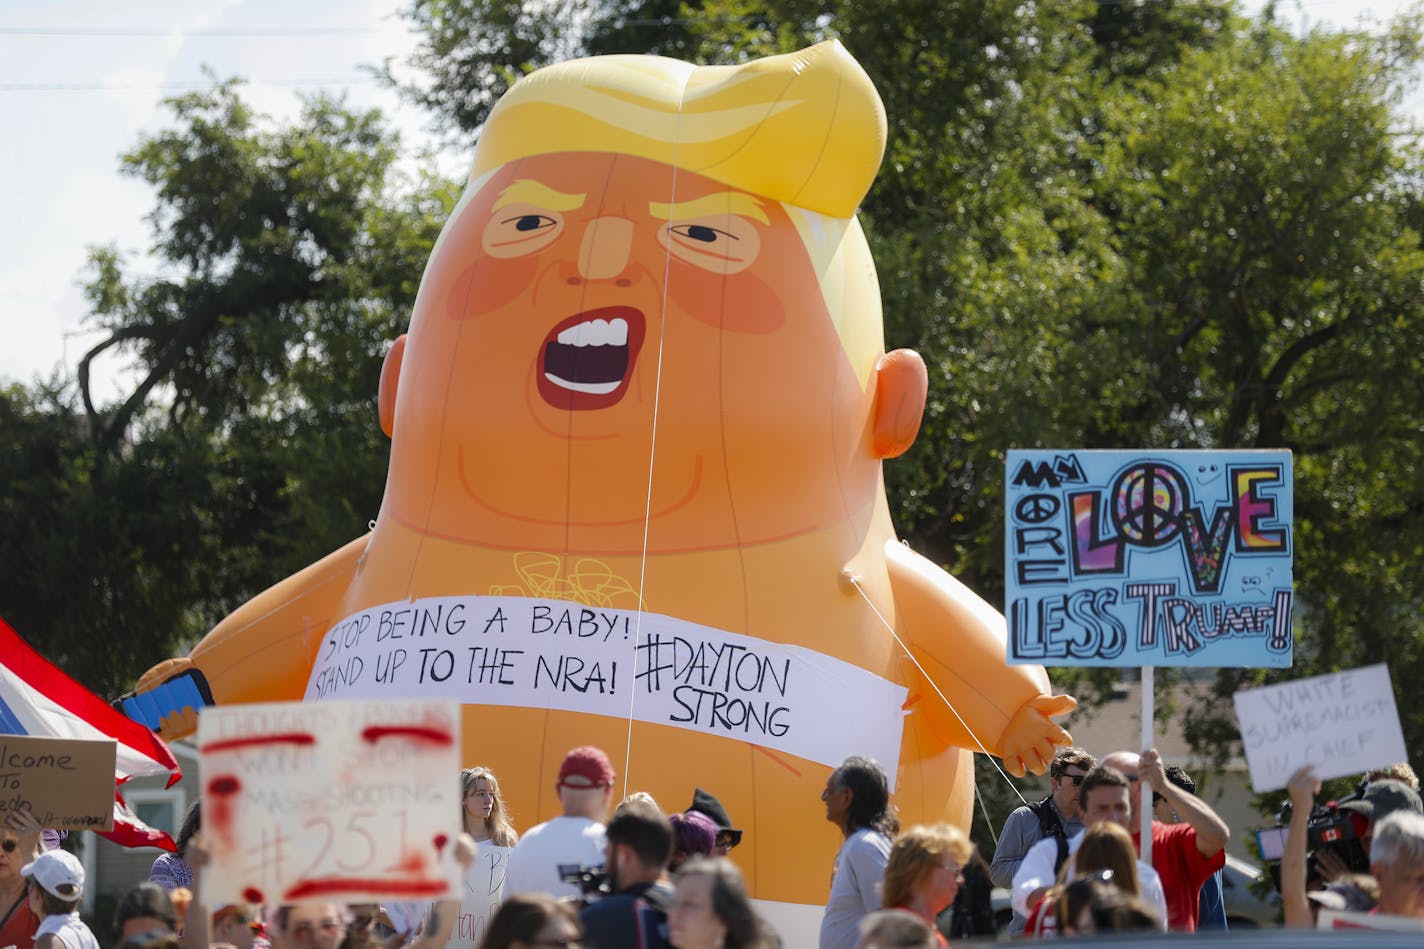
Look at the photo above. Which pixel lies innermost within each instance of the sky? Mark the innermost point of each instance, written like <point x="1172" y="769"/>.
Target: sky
<point x="82" y="80"/>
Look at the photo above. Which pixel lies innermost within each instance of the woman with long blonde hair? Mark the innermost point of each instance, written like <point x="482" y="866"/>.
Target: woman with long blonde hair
<point x="483" y="812"/>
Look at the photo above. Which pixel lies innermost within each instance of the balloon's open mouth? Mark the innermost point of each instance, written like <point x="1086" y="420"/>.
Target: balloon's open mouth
<point x="586" y="361"/>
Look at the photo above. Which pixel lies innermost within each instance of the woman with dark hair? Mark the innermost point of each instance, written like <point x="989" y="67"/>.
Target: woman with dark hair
<point x="710" y="908"/>
<point x="857" y="798"/>
<point x="533" y="920"/>
<point x="924" y="871"/>
<point x="170" y="870"/>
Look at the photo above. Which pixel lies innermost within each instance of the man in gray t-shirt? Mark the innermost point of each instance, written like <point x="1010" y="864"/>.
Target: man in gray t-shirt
<point x="857" y="798"/>
<point x="1024" y="827"/>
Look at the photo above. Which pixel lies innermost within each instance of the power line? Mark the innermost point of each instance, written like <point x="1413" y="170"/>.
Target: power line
<point x="177" y="84"/>
<point x="237" y="31"/>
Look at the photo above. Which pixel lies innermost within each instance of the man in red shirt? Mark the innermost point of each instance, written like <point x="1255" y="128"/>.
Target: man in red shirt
<point x="1184" y="855"/>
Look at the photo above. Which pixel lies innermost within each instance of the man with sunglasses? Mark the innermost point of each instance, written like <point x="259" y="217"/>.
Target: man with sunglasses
<point x="1058" y="816"/>
<point x="1185" y="855"/>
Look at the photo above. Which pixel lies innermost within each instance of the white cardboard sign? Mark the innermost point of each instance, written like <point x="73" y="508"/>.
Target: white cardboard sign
<point x="484" y="888"/>
<point x="340" y="802"/>
<point x="1342" y="723"/>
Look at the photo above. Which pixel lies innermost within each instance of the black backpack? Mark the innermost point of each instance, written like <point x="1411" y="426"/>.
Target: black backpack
<point x="1050" y="826"/>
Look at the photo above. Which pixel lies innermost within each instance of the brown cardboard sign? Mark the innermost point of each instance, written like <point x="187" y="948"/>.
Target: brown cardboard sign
<point x="67" y="784"/>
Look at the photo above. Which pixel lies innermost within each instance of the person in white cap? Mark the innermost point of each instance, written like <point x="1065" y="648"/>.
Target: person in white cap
<point x="56" y="880"/>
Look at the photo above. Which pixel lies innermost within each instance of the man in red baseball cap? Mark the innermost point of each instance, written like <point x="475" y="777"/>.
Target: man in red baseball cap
<point x="573" y="839"/>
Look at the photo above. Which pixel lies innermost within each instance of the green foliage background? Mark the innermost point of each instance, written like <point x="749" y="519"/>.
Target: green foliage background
<point x="1103" y="224"/>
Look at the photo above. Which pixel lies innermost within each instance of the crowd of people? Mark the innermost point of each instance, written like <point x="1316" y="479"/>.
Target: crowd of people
<point x="640" y="877"/>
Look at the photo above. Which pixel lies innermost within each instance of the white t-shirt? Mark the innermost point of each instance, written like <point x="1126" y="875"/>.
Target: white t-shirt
<point x="70" y="930"/>
<point x="1036" y="873"/>
<point x="534" y="862"/>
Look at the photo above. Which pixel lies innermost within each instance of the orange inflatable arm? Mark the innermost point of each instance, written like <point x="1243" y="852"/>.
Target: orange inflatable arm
<point x="262" y="652"/>
<point x="959" y="641"/>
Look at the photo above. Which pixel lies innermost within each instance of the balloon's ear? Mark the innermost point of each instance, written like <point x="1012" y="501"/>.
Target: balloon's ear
<point x="390" y="377"/>
<point x="901" y="385"/>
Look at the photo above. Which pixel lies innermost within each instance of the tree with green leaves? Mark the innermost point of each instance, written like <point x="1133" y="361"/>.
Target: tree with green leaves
<point x="248" y="447"/>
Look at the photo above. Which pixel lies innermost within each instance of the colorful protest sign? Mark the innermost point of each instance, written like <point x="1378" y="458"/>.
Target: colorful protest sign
<point x="1138" y="558"/>
<point x="347" y="802"/>
<point x="552" y="654"/>
<point x="66" y="784"/>
<point x="1343" y="723"/>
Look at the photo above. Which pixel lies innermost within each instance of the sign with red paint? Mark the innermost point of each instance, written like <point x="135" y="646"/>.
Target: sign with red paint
<point x="337" y="802"/>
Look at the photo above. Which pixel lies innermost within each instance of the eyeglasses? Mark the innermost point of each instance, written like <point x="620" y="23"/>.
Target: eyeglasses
<point x="1077" y="779"/>
<point x="305" y="930"/>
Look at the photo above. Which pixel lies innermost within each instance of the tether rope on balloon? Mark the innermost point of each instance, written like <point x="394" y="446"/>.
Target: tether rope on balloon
<point x="652" y="455"/>
<point x="855" y="582"/>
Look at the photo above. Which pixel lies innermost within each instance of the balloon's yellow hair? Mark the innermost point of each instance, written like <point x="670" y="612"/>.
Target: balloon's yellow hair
<point x="806" y="129"/>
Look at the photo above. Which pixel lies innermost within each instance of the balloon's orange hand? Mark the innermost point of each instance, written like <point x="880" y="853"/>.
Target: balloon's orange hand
<point x="1031" y="738"/>
<point x="179" y="724"/>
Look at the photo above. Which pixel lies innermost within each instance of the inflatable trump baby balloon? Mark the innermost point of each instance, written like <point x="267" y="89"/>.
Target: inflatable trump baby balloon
<point x="635" y="494"/>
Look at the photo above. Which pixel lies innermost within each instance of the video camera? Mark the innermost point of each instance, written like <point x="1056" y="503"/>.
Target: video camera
<point x="593" y="882"/>
<point x="1332" y="828"/>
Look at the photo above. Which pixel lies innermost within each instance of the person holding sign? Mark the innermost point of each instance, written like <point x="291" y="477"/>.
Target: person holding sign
<point x="486" y="820"/>
<point x="19" y="844"/>
<point x="485" y="816"/>
<point x="1184" y="855"/>
<point x="308" y="926"/>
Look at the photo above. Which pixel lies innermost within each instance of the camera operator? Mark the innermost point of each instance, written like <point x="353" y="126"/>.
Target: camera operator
<point x="640" y="845"/>
<point x="1376" y="801"/>
<point x="574" y="838"/>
